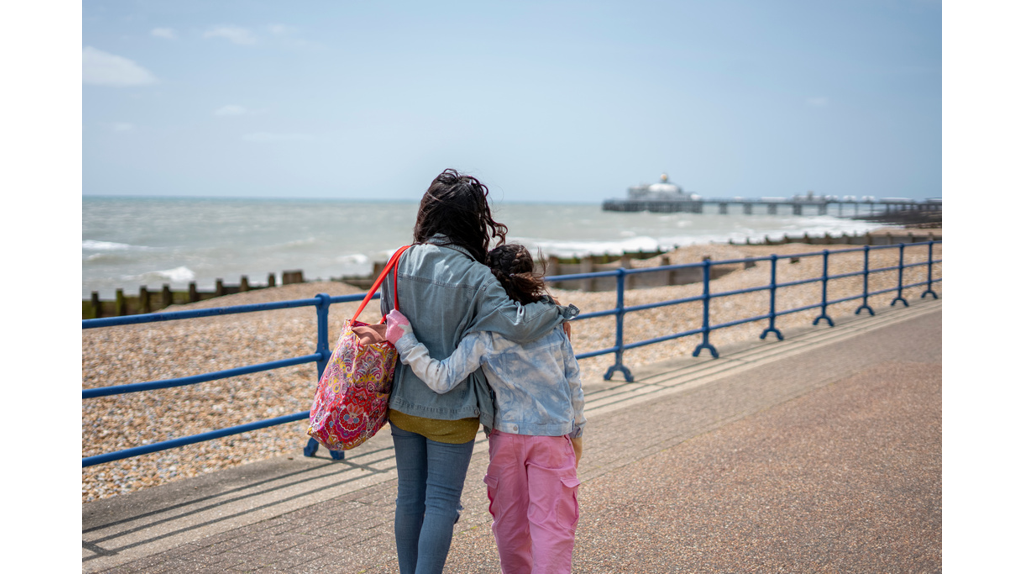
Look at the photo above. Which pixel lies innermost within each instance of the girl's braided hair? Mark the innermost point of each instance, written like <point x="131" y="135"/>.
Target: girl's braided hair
<point x="455" y="205"/>
<point x="513" y="266"/>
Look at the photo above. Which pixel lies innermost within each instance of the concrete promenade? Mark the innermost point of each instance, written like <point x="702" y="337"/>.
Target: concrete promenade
<point x="820" y="453"/>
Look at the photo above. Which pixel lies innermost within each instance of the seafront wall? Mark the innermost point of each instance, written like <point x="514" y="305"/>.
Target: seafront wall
<point x="148" y="302"/>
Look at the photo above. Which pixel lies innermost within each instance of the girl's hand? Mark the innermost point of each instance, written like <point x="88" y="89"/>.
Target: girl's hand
<point x="565" y="324"/>
<point x="398" y="326"/>
<point x="577" y="447"/>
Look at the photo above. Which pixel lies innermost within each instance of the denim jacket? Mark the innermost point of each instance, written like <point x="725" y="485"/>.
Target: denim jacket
<point x="537" y="385"/>
<point x="447" y="294"/>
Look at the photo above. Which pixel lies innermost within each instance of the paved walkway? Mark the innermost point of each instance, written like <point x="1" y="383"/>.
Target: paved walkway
<point x="820" y="453"/>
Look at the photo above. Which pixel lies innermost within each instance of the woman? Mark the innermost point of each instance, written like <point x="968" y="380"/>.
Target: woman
<point x="446" y="291"/>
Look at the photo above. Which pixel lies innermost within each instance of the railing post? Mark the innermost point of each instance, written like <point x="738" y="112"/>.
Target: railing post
<point x="865" y="305"/>
<point x="934" y="296"/>
<point x="824" y="291"/>
<point x="705" y="328"/>
<point x="899" y="284"/>
<point x="771" y="304"/>
<point x="323" y="305"/>
<point x="620" y="281"/>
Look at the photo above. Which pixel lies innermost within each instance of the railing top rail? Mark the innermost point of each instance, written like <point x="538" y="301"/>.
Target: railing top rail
<point x="194" y="313"/>
<point x="215" y="311"/>
<point x="614" y="272"/>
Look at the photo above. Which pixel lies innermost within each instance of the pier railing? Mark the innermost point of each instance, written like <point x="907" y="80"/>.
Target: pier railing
<point x="322" y="303"/>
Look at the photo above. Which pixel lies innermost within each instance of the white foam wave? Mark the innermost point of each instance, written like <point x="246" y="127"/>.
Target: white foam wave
<point x="814" y="226"/>
<point x="582" y="248"/>
<point x="94" y="245"/>
<point x="177" y="275"/>
<point x="355" y="259"/>
<point x="106" y="257"/>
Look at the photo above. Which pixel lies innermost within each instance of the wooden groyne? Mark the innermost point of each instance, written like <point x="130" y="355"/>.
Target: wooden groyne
<point x="911" y="217"/>
<point x="148" y="302"/>
<point x="870" y="238"/>
<point x="598" y="263"/>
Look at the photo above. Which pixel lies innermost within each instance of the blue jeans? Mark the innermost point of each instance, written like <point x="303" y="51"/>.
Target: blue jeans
<point x="430" y="479"/>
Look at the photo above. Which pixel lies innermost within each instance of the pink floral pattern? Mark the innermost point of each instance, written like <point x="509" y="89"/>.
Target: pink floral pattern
<point x="351" y="401"/>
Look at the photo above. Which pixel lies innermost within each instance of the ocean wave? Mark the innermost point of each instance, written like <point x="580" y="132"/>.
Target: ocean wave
<point x="107" y="257"/>
<point x="739" y="234"/>
<point x="300" y="242"/>
<point x="94" y="245"/>
<point x="176" y="275"/>
<point x="354" y="259"/>
<point x="575" y="248"/>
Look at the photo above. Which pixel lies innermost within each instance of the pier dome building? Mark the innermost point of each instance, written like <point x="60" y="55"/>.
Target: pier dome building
<point x="661" y="191"/>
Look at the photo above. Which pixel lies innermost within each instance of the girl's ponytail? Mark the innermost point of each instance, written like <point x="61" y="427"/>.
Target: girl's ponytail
<point x="512" y="265"/>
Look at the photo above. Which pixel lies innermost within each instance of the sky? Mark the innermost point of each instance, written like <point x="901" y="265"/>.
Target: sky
<point x="543" y="101"/>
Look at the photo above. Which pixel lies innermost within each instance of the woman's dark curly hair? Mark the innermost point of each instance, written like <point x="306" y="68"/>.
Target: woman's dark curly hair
<point x="455" y="205"/>
<point x="513" y="266"/>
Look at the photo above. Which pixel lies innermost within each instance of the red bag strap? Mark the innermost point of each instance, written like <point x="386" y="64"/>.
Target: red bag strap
<point x="376" y="284"/>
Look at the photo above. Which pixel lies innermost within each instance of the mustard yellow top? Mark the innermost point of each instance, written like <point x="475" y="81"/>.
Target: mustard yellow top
<point x="459" y="431"/>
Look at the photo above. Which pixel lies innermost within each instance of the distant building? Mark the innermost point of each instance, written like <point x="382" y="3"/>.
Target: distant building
<point x="664" y="190"/>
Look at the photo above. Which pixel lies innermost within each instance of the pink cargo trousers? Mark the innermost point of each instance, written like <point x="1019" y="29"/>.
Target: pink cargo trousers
<point x="532" y="486"/>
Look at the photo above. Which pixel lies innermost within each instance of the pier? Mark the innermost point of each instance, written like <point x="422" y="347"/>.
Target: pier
<point x="668" y="197"/>
<point x="770" y="206"/>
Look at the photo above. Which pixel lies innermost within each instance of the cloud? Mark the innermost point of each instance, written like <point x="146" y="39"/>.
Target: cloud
<point x="103" y="69"/>
<point x="232" y="33"/>
<point x="817" y="102"/>
<point x="264" y="137"/>
<point x="230" y="110"/>
<point x="122" y="127"/>
<point x="166" y="33"/>
<point x="281" y="29"/>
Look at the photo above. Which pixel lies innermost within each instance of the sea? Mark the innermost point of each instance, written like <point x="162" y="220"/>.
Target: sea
<point x="128" y="242"/>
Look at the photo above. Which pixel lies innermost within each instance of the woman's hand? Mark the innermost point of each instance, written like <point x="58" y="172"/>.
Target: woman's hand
<point x="398" y="326"/>
<point x="577" y="447"/>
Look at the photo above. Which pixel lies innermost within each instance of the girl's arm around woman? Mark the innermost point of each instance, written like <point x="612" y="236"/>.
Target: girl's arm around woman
<point x="440" y="376"/>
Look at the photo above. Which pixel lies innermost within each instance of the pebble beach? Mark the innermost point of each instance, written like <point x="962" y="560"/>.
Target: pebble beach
<point x="130" y="354"/>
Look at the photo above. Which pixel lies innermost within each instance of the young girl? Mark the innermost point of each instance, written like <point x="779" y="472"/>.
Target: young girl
<point x="536" y="441"/>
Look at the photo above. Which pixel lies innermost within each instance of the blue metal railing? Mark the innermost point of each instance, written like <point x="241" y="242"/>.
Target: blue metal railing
<point x="322" y="303"/>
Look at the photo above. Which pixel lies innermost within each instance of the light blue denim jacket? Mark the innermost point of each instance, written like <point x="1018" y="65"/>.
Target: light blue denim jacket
<point x="537" y="384"/>
<point x="447" y="294"/>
